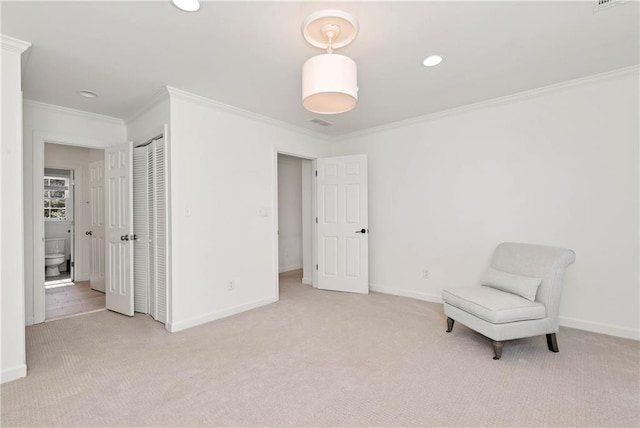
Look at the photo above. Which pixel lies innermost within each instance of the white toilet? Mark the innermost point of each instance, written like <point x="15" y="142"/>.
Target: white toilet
<point x="53" y="256"/>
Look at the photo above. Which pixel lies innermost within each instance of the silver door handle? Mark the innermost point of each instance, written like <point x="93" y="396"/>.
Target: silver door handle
<point x="124" y="238"/>
<point x="88" y="233"/>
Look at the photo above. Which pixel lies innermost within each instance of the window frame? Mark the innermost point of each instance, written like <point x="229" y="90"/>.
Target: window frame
<point x="66" y="187"/>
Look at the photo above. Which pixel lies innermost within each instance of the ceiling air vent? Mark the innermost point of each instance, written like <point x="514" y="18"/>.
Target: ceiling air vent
<point x="599" y="5"/>
<point x="320" y="122"/>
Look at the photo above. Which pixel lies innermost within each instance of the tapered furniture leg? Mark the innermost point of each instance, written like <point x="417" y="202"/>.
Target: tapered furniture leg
<point x="450" y="322"/>
<point x="552" y="343"/>
<point x="497" y="350"/>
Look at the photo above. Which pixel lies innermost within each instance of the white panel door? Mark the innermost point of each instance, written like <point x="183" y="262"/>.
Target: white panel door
<point x="96" y="224"/>
<point x="343" y="238"/>
<point x="119" y="228"/>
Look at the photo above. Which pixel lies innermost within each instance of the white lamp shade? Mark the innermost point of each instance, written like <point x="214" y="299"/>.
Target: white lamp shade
<point x="329" y="84"/>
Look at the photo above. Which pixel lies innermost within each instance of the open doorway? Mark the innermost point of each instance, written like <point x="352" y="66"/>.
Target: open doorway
<point x="338" y="232"/>
<point x="67" y="216"/>
<point x="295" y="220"/>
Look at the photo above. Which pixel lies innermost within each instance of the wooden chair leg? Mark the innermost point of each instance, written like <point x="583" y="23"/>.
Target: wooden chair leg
<point x="552" y="342"/>
<point x="450" y="322"/>
<point x="497" y="349"/>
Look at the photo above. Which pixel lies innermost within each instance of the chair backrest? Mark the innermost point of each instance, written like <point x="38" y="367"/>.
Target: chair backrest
<point x="537" y="261"/>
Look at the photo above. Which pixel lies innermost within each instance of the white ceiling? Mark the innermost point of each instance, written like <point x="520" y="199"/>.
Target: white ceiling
<point x="249" y="54"/>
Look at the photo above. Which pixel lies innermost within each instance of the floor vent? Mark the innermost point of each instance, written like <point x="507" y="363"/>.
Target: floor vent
<point x="320" y="122"/>
<point x="599" y="5"/>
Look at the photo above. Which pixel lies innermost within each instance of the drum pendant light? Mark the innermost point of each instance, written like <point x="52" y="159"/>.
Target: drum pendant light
<point x="329" y="81"/>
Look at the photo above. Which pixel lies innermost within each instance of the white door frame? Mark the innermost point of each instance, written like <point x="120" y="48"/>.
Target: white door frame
<point x="39" y="140"/>
<point x="314" y="259"/>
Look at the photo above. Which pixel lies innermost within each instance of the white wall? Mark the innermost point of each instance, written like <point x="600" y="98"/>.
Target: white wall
<point x="223" y="196"/>
<point x="48" y="123"/>
<point x="12" y="342"/>
<point x="289" y="213"/>
<point x="558" y="168"/>
<point x="151" y="120"/>
<point x="78" y="159"/>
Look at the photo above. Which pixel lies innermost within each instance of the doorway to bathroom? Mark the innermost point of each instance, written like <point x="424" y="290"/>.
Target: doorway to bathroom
<point x="71" y="286"/>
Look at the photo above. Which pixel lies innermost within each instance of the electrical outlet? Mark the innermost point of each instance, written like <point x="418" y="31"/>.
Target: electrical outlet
<point x="231" y="285"/>
<point x="425" y="274"/>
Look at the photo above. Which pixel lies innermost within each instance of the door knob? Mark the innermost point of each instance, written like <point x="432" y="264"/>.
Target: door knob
<point x="361" y="231"/>
<point x="88" y="232"/>
<point x="124" y="238"/>
<point x="134" y="237"/>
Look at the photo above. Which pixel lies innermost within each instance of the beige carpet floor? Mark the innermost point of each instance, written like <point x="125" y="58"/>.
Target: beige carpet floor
<point x="317" y="358"/>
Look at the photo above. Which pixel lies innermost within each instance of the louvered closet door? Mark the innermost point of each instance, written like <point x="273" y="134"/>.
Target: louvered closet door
<point x="141" y="230"/>
<point x="159" y="232"/>
<point x="150" y="248"/>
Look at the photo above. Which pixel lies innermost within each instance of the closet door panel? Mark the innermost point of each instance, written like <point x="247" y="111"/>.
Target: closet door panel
<point x="151" y="223"/>
<point x="160" y="207"/>
<point x="141" y="231"/>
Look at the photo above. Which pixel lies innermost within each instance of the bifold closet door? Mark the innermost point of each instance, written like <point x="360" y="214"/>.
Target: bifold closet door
<point x="158" y="307"/>
<point x="150" y="205"/>
<point x="141" y="241"/>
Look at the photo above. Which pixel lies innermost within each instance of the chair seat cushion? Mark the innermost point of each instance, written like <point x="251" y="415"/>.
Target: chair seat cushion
<point x="494" y="306"/>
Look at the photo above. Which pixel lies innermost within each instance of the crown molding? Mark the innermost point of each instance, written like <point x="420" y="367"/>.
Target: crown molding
<point x="73" y="112"/>
<point x="206" y="102"/>
<point x="13" y="45"/>
<point x="157" y="98"/>
<point x="492" y="102"/>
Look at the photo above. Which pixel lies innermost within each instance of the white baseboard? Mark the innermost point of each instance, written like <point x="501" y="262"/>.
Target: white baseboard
<point x="307" y="281"/>
<point x="597" y="327"/>
<point x="406" y="293"/>
<point x="212" y="316"/>
<point x="284" y="269"/>
<point x="13" y="373"/>
<point x="594" y="327"/>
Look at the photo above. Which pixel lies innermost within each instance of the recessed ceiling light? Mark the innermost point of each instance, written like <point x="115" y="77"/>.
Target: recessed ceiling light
<point x="187" y="5"/>
<point x="432" y="60"/>
<point x="88" y="94"/>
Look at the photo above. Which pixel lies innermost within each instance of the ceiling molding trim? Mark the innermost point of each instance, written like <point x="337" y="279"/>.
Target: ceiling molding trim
<point x="206" y="102"/>
<point x="157" y="98"/>
<point x="73" y="112"/>
<point x="492" y="102"/>
<point x="13" y="45"/>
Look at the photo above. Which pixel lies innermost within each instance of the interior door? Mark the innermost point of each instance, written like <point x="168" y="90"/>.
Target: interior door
<point x="119" y="228"/>
<point x="343" y="235"/>
<point x="96" y="224"/>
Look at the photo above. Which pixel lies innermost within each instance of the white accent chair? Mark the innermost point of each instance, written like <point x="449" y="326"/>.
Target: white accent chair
<point x="501" y="315"/>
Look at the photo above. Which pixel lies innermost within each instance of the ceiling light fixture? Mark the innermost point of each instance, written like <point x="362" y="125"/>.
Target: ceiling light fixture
<point x="432" y="60"/>
<point x="187" y="5"/>
<point x="329" y="81"/>
<point x="88" y="94"/>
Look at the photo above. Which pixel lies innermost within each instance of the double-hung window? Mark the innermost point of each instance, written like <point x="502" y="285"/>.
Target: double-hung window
<point x="56" y="197"/>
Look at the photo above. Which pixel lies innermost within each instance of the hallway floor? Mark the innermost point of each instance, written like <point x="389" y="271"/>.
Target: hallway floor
<point x="71" y="298"/>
